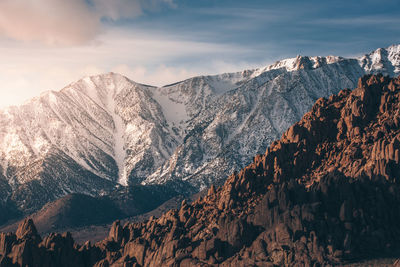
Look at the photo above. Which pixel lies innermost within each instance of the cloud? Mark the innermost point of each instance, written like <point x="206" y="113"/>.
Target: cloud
<point x="48" y="21"/>
<point x="61" y="22"/>
<point x="159" y="76"/>
<point x="119" y="9"/>
<point x="154" y="59"/>
<point x="23" y="82"/>
<point x="375" y="20"/>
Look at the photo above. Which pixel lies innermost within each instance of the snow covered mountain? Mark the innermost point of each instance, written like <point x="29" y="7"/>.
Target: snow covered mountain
<point x="106" y="130"/>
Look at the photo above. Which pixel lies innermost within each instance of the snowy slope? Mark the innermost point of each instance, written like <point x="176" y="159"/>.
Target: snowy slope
<point x="93" y="132"/>
<point x="106" y="130"/>
<point x="228" y="124"/>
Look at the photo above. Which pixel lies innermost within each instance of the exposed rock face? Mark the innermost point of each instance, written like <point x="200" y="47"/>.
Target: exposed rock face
<point x="106" y="130"/>
<point x="327" y="192"/>
<point x="26" y="248"/>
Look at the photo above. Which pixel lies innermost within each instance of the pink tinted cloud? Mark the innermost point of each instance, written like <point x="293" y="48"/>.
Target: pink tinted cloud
<point x="66" y="22"/>
<point x="52" y="22"/>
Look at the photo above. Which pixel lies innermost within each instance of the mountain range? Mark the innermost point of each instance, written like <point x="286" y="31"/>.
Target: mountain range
<point x="326" y="194"/>
<point x="105" y="132"/>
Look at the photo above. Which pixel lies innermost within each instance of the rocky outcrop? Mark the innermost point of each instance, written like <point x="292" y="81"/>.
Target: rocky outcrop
<point x="327" y="192"/>
<point x="26" y="248"/>
<point x="106" y="130"/>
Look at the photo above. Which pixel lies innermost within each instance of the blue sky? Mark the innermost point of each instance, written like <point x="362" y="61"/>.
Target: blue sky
<point x="272" y="29"/>
<point x="46" y="44"/>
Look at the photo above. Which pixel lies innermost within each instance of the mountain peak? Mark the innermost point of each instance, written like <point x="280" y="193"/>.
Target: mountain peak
<point x="382" y="60"/>
<point x="326" y="193"/>
<point x="385" y="60"/>
<point x="105" y="129"/>
<point x="299" y="62"/>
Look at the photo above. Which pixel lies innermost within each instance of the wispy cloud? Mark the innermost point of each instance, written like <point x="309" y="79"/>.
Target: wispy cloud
<point x="157" y="76"/>
<point x="48" y="21"/>
<point x="60" y="22"/>
<point x="118" y="9"/>
<point x="46" y="44"/>
<point x="26" y="69"/>
<point x="376" y="20"/>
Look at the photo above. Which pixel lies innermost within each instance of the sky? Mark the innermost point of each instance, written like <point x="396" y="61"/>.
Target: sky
<point x="47" y="44"/>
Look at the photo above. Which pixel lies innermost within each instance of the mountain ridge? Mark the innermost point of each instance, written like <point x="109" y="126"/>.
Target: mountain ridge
<point x="326" y="193"/>
<point x="197" y="131"/>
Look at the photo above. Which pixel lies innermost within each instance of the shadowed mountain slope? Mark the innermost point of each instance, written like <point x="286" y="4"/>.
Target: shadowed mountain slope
<point x="105" y="131"/>
<point x="327" y="192"/>
<point x="79" y="210"/>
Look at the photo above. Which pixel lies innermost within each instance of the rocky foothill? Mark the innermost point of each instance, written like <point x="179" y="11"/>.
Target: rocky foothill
<point x="326" y="193"/>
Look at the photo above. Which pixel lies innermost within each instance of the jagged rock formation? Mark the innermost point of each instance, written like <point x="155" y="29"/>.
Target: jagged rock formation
<point x="26" y="248"/>
<point x="326" y="192"/>
<point x="106" y="130"/>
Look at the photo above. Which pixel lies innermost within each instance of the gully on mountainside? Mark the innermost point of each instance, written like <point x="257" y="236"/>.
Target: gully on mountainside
<point x="325" y="193"/>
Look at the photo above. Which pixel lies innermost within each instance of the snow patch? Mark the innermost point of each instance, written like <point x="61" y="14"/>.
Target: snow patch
<point x="174" y="112"/>
<point x="292" y="64"/>
<point x="119" y="130"/>
<point x="221" y="86"/>
<point x="119" y="150"/>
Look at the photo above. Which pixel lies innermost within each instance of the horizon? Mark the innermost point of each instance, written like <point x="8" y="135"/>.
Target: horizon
<point x="39" y="94"/>
<point x="166" y="41"/>
<point x="178" y="81"/>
